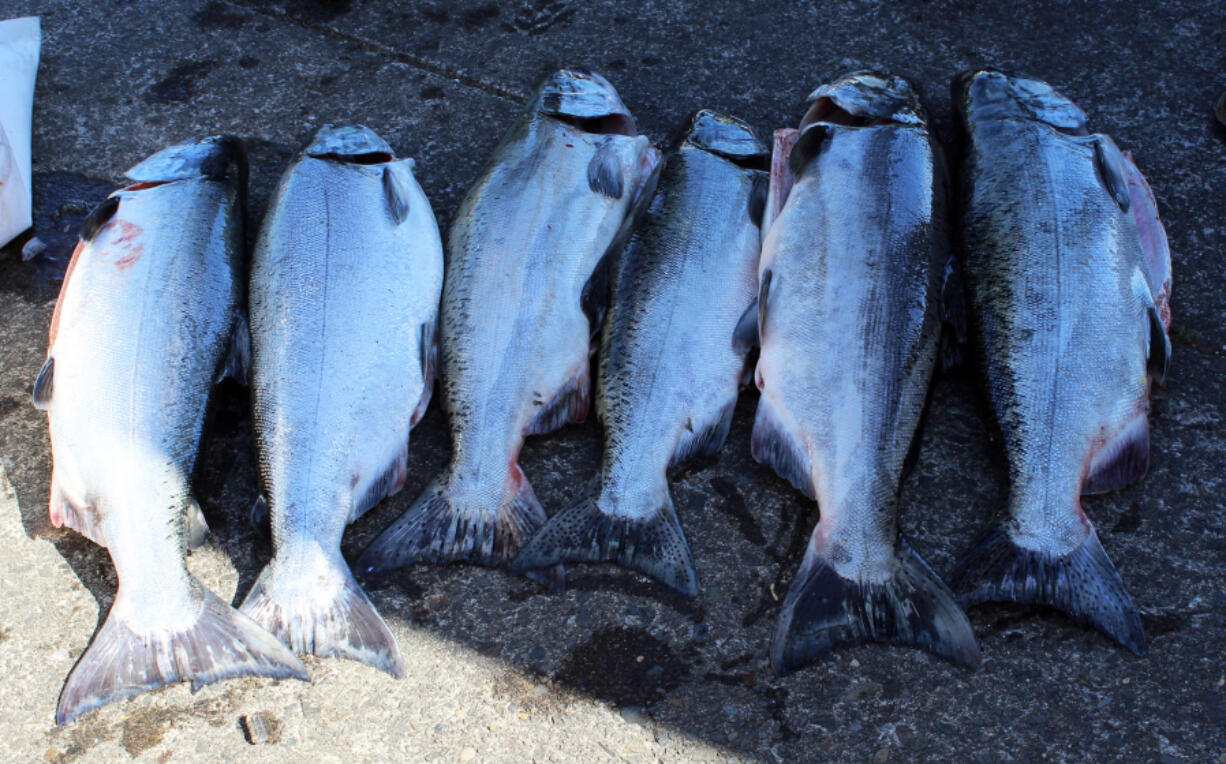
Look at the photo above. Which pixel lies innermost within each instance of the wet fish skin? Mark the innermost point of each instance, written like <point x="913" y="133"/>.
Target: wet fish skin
<point x="849" y="324"/>
<point x="669" y="375"/>
<point x="345" y="285"/>
<point x="146" y="313"/>
<point x="518" y="313"/>
<point x="1070" y="331"/>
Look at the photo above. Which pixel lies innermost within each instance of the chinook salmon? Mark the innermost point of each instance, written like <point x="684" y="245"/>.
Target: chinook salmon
<point x="668" y="376"/>
<point x="148" y="308"/>
<point x="1069" y="279"/>
<point x="522" y="298"/>
<point x="345" y="285"/>
<point x="849" y="319"/>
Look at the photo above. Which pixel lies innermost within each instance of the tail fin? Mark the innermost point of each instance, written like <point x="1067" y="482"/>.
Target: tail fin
<point x="653" y="544"/>
<point x="222" y="643"/>
<point x="911" y="607"/>
<point x="1082" y="583"/>
<point x="435" y="530"/>
<point x="326" y="614"/>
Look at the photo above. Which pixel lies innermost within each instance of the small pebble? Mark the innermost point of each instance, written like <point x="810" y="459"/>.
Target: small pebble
<point x="255" y="728"/>
<point x="32" y="249"/>
<point x="634" y="715"/>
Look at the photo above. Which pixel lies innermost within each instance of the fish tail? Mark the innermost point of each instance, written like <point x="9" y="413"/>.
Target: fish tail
<point x="651" y="543"/>
<point x="222" y="643"/>
<point x="327" y="614"/>
<point x="1082" y="583"/>
<point x="440" y="530"/>
<point x="909" y="607"/>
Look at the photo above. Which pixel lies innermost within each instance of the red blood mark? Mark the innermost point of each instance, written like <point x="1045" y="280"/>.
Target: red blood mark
<point x="127" y="231"/>
<point x="128" y="260"/>
<point x="570" y="145"/>
<point x="57" y="517"/>
<point x="145" y="184"/>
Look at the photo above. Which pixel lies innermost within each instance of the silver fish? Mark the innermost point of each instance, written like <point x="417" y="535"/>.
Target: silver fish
<point x="849" y="317"/>
<point x="146" y="312"/>
<point x="345" y="287"/>
<point x="1069" y="279"/>
<point x="669" y="376"/>
<point x="520" y="305"/>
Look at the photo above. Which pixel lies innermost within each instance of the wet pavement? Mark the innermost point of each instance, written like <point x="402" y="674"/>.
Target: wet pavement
<point x="615" y="667"/>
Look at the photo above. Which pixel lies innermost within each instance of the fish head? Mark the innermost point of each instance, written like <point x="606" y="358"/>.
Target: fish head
<point x="993" y="94"/>
<point x="218" y="157"/>
<point x="724" y="136"/>
<point x="861" y="99"/>
<point x="584" y="99"/>
<point x="351" y="144"/>
<point x="865" y="99"/>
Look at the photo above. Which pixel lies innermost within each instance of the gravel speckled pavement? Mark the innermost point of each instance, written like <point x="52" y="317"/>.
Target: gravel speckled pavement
<point x="615" y="668"/>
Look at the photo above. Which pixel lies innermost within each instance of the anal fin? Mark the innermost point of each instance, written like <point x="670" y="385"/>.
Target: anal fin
<point x="706" y="441"/>
<point x="389" y="483"/>
<point x="82" y="519"/>
<point x="1123" y="461"/>
<point x="570" y="404"/>
<point x="772" y="445"/>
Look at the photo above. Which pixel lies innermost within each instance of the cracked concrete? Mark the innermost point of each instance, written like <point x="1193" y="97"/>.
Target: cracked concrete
<point x="615" y="668"/>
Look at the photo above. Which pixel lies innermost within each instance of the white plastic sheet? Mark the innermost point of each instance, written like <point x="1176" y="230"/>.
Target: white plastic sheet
<point x="20" y="40"/>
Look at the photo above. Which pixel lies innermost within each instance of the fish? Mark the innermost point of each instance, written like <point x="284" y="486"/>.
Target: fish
<point x="668" y="372"/>
<point x="1069" y="302"/>
<point x="345" y="285"/>
<point x="849" y="319"/>
<point x="148" y="317"/>
<point x="20" y="41"/>
<point x="524" y="292"/>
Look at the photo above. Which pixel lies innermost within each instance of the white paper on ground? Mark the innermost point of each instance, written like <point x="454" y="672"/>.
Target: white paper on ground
<point x="20" y="40"/>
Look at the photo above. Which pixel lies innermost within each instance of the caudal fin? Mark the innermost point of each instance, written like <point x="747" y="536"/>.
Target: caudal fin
<point x="911" y="607"/>
<point x="222" y="643"/>
<point x="327" y="614"/>
<point x="436" y="530"/>
<point x="1082" y="583"/>
<point x="652" y="544"/>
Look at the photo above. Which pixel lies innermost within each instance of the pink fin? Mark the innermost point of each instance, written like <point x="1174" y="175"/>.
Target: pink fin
<point x="390" y="482"/>
<point x="570" y="404"/>
<point x="1153" y="240"/>
<point x="781" y="174"/>
<point x="82" y="520"/>
<point x="1122" y="461"/>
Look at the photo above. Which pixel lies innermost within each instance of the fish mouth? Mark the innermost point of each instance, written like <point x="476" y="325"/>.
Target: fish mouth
<point x="724" y="136"/>
<point x="351" y="144"/>
<point x="989" y="93"/>
<point x="584" y="99"/>
<point x="218" y="157"/>
<point x="865" y="99"/>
